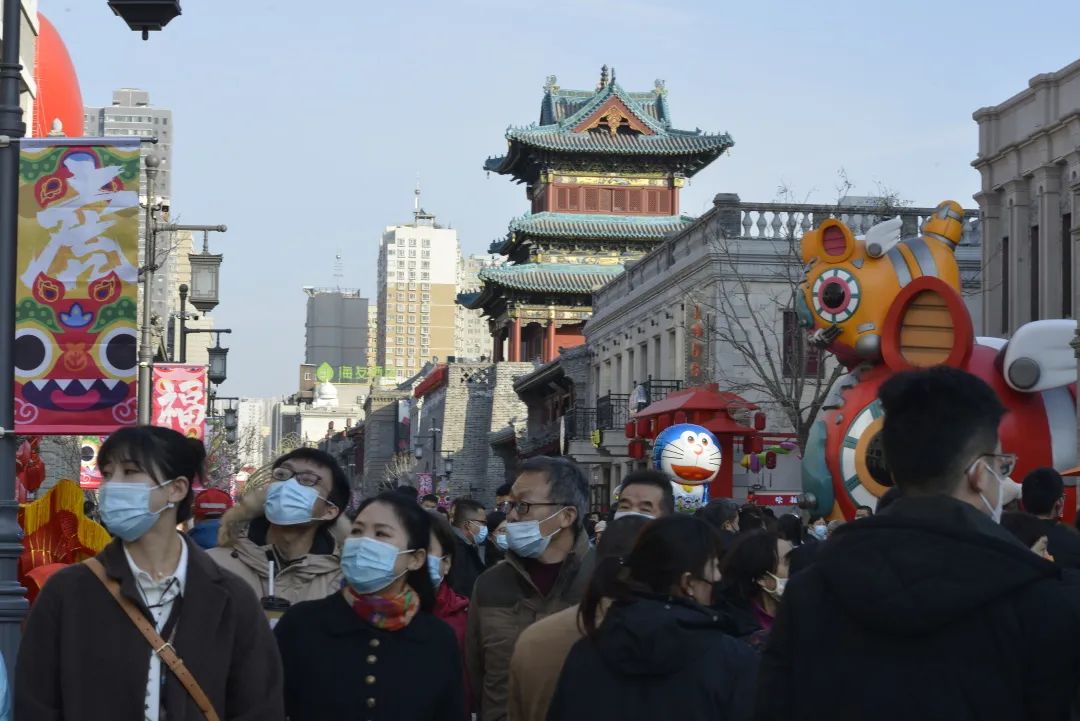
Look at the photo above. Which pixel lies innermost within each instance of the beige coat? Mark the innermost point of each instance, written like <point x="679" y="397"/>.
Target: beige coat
<point x="311" y="578"/>
<point x="539" y="655"/>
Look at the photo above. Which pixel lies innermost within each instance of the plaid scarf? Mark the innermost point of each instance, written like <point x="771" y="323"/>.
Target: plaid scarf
<point x="388" y="614"/>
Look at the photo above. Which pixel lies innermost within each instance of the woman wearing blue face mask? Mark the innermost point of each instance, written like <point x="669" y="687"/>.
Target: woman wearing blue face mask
<point x="152" y="573"/>
<point x="359" y="653"/>
<point x="450" y="607"/>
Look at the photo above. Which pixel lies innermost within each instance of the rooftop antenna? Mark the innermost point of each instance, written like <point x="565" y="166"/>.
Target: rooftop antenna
<point x="416" y="200"/>
<point x="339" y="269"/>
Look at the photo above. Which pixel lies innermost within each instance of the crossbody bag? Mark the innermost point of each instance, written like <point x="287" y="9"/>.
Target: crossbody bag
<point x="158" y="645"/>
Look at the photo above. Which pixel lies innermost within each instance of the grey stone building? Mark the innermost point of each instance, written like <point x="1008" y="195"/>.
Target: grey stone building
<point x="1029" y="160"/>
<point x="378" y="435"/>
<point x="463" y="412"/>
<point x="734" y="271"/>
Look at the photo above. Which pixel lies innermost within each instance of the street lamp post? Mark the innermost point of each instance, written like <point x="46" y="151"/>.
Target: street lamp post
<point x="146" y="349"/>
<point x="12" y="599"/>
<point x="183" y="322"/>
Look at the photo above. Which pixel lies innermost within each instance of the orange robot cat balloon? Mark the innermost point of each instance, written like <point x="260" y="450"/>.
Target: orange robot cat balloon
<point x="881" y="305"/>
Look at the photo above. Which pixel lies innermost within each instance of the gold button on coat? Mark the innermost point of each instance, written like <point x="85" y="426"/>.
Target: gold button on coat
<point x="374" y="643"/>
<point x="372" y="658"/>
<point x="371" y="703"/>
<point x="369" y="680"/>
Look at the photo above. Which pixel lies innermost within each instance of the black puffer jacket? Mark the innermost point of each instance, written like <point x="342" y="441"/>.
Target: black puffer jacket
<point x="657" y="659"/>
<point x="927" y="611"/>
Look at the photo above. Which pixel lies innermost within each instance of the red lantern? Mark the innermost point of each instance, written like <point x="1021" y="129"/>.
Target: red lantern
<point x="629" y="429"/>
<point x="662" y="422"/>
<point x="757" y="444"/>
<point x="770" y="460"/>
<point x="636" y="449"/>
<point x="759" y="421"/>
<point x="643" y="427"/>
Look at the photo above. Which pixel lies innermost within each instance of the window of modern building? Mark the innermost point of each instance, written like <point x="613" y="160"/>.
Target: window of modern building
<point x="412" y="341"/>
<point x="425" y="254"/>
<point x="425" y="276"/>
<point x="425" y="264"/>
<point x="425" y="307"/>
<point x="412" y="318"/>
<point x="400" y="318"/>
<point x="425" y="286"/>
<point x="427" y="242"/>
<point x="412" y="265"/>
<point x="412" y="297"/>
<point x="401" y="264"/>
<point x="425" y="296"/>
<point x="401" y="275"/>
<point x="412" y="242"/>
<point x="425" y="318"/>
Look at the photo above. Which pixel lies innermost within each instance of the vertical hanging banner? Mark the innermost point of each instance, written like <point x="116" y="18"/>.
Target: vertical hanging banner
<point x="179" y="398"/>
<point x="75" y="305"/>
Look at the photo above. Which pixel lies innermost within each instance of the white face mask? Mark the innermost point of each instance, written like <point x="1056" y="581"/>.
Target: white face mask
<point x="525" y="539"/>
<point x="995" y="510"/>
<point x="624" y="514"/>
<point x="781" y="584"/>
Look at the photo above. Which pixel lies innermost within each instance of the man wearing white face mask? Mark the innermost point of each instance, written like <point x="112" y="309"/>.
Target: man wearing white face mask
<point x="957" y="618"/>
<point x="645" y="493"/>
<point x="285" y="539"/>
<point x="545" y="571"/>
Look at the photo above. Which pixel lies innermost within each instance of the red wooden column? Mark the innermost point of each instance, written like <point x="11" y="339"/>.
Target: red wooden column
<point x="497" y="346"/>
<point x="550" y="351"/>
<point x="515" y="340"/>
<point x="724" y="484"/>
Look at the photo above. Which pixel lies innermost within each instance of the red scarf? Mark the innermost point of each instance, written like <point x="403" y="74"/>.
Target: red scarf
<point x="388" y="614"/>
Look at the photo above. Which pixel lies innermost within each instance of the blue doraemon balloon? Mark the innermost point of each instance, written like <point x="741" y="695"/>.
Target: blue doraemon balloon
<point x="690" y="456"/>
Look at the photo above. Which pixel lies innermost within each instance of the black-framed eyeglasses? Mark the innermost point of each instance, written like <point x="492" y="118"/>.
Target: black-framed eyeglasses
<point x="522" y="507"/>
<point x="304" y="478"/>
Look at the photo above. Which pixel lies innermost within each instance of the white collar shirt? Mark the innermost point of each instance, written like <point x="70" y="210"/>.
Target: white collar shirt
<point x="158" y="597"/>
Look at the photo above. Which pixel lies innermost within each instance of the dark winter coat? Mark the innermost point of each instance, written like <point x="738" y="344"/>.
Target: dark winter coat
<point x="1063" y="543"/>
<point x="337" y="666"/>
<point x="82" y="659"/>
<point x="466" y="568"/>
<point x="657" y="659"/>
<point x="926" y="611"/>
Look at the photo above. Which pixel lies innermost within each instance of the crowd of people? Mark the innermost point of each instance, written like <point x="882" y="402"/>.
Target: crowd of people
<point x="956" y="598"/>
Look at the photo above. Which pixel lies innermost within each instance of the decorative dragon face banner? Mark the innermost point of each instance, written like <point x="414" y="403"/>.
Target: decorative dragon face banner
<point x="75" y="360"/>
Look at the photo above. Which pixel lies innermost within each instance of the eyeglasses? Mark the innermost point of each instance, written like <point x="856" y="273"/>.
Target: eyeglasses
<point x="522" y="507"/>
<point x="1003" y="463"/>
<point x="304" y="478"/>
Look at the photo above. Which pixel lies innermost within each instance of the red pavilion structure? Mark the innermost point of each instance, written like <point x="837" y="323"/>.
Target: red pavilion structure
<point x="602" y="169"/>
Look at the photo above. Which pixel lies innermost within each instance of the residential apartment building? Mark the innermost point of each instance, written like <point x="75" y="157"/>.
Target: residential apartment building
<point x="417" y="288"/>
<point x="472" y="337"/>
<point x="1029" y="160"/>
<point x="373" y="333"/>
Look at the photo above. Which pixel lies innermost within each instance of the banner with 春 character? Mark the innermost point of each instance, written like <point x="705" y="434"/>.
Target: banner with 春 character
<point x="89" y="473"/>
<point x="75" y="305"/>
<point x="179" y="398"/>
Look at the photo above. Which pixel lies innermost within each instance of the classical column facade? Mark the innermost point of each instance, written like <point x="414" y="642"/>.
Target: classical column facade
<point x="1016" y="254"/>
<point x="995" y="320"/>
<point x="1046" y="187"/>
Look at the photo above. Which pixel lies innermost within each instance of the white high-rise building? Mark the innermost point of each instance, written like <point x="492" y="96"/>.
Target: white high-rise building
<point x="472" y="337"/>
<point x="417" y="290"/>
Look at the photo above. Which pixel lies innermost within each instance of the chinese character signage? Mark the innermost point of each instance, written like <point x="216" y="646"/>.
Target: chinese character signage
<point x="89" y="473"/>
<point x="179" y="400"/>
<point x="75" y="366"/>
<point x="697" y="346"/>
<point x="778" y="499"/>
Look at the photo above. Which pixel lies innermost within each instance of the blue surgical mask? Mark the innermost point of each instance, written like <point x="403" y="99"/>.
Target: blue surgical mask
<point x="500" y="541"/>
<point x="525" y="539"/>
<point x="289" y="503"/>
<point x="433" y="563"/>
<point x="820" y="532"/>
<point x="481" y="535"/>
<point x="125" y="509"/>
<point x="368" y="565"/>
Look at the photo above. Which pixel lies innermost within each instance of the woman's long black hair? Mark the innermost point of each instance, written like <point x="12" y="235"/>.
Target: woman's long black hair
<point x="417" y="525"/>
<point x="666" y="549"/>
<point x="751" y="556"/>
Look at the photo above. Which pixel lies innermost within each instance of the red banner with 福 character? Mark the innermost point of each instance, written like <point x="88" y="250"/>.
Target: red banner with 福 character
<point x="179" y="398"/>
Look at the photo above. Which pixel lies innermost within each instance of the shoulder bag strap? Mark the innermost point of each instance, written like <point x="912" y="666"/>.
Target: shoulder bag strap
<point x="164" y="650"/>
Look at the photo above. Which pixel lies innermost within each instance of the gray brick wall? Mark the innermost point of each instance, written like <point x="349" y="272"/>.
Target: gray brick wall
<point x="380" y="417"/>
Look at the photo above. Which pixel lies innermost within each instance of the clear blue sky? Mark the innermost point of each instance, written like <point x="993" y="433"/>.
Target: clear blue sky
<point x="303" y="125"/>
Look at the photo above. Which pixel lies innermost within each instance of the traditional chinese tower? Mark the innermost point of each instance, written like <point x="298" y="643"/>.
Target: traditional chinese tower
<point x="602" y="169"/>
